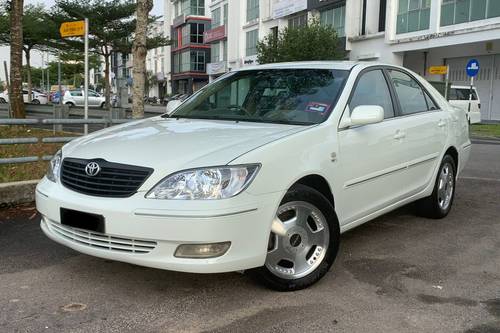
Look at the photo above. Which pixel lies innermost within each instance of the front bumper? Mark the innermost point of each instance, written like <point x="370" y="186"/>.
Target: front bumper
<point x="161" y="226"/>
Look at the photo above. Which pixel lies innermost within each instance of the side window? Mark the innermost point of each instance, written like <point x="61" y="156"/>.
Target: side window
<point x="372" y="89"/>
<point x="410" y="94"/>
<point x="76" y="93"/>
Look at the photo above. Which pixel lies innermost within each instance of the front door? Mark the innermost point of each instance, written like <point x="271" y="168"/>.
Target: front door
<point x="372" y="156"/>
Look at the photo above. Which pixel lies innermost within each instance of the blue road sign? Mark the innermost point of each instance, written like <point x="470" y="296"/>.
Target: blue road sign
<point x="472" y="67"/>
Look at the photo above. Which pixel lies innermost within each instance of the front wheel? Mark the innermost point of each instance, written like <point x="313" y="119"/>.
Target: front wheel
<point x="35" y="101"/>
<point x="304" y="255"/>
<point x="438" y="205"/>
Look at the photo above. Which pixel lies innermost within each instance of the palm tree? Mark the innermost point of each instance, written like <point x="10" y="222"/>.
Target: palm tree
<point x="16" y="59"/>
<point x="139" y="51"/>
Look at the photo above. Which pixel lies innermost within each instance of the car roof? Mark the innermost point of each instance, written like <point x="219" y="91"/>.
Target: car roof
<point x="462" y="87"/>
<point x="340" y="65"/>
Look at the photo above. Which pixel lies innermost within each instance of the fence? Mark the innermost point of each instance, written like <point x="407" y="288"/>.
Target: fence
<point x="56" y="139"/>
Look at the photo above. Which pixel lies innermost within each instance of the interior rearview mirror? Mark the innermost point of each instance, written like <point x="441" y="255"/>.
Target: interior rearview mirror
<point x="172" y="105"/>
<point x="364" y="115"/>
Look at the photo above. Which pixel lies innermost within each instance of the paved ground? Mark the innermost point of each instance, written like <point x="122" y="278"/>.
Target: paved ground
<point x="398" y="273"/>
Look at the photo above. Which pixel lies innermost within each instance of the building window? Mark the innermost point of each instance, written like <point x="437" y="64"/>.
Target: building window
<point x="225" y="14"/>
<point x="215" y="52"/>
<point x="252" y="10"/>
<point x="184" y="36"/>
<point x="251" y="42"/>
<point x="298" y="21"/>
<point x="190" y="7"/>
<point x="216" y="18"/>
<point x="196" y="35"/>
<point x="413" y="15"/>
<point x="197" y="61"/>
<point x="275" y="32"/>
<point x="184" y="62"/>
<point x="334" y="17"/>
<point x="176" y="63"/>
<point x="462" y="11"/>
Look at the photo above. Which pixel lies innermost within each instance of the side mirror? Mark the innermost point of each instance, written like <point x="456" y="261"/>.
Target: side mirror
<point x="172" y="105"/>
<point x="364" y="115"/>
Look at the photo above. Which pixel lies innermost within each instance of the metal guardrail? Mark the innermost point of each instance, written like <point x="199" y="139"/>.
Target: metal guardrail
<point x="55" y="139"/>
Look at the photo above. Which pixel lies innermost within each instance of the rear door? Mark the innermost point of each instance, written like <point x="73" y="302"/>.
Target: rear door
<point x="424" y="126"/>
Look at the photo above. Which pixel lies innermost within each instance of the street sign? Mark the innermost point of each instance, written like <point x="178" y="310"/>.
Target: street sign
<point x="72" y="29"/>
<point x="438" y="70"/>
<point x="472" y="68"/>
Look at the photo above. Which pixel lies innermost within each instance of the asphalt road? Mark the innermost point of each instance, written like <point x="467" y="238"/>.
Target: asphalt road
<point x="399" y="273"/>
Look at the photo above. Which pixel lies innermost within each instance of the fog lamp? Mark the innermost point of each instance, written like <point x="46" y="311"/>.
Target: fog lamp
<point x="211" y="250"/>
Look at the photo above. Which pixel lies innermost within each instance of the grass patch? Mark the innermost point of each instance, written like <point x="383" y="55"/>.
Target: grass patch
<point x="486" y="130"/>
<point x="26" y="171"/>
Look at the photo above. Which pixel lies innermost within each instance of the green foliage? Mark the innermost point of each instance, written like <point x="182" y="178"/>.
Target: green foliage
<point x="306" y="43"/>
<point x="111" y="25"/>
<point x="38" y="29"/>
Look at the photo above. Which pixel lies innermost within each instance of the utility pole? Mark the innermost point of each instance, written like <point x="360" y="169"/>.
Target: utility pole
<point x="86" y="86"/>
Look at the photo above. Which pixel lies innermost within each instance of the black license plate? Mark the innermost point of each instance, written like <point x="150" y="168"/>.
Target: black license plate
<point x="82" y="220"/>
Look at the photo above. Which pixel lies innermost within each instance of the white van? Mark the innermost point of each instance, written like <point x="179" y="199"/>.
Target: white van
<point x="459" y="96"/>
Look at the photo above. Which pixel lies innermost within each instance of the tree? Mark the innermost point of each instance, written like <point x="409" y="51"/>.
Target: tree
<point x="16" y="58"/>
<point x="111" y="24"/>
<point x="37" y="33"/>
<point x="311" y="42"/>
<point x="139" y="52"/>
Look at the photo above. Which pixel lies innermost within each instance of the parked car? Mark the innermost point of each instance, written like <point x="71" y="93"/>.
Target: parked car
<point x="459" y="97"/>
<point x="4" y="97"/>
<point x="37" y="97"/>
<point x="259" y="171"/>
<point x="76" y="98"/>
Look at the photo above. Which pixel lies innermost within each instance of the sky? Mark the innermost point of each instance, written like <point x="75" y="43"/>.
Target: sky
<point x="36" y="58"/>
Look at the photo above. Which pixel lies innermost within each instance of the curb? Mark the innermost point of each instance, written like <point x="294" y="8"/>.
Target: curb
<point x="17" y="192"/>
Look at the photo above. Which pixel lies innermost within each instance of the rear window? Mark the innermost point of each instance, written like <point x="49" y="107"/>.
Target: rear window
<point x="462" y="94"/>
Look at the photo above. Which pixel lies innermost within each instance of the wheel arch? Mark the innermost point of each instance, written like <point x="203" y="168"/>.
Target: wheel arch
<point x="319" y="183"/>
<point x="453" y="152"/>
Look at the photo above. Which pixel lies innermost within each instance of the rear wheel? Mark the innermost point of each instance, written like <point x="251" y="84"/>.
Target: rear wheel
<point x="439" y="203"/>
<point x="35" y="101"/>
<point x="302" y="256"/>
<point x="70" y="105"/>
<point x="2" y="100"/>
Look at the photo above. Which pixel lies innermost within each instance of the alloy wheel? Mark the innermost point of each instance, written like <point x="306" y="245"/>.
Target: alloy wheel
<point x="305" y="244"/>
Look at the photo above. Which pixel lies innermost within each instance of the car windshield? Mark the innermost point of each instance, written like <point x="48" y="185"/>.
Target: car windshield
<point x="289" y="96"/>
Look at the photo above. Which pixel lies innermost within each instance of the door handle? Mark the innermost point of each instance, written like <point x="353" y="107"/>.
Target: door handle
<point x="441" y="123"/>
<point x="399" y="135"/>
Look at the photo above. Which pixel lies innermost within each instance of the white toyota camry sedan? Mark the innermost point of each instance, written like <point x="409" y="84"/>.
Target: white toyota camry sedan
<point x="259" y="171"/>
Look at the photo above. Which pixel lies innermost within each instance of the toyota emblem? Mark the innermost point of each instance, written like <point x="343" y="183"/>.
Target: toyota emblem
<point x="92" y="169"/>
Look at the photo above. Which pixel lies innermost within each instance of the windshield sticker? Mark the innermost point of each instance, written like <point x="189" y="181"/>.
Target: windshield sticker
<point x="317" y="107"/>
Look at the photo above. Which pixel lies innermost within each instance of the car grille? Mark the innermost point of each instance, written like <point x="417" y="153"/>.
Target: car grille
<point x="101" y="241"/>
<point x="113" y="180"/>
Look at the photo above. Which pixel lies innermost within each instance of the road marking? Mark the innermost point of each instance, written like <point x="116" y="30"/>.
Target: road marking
<point x="481" y="178"/>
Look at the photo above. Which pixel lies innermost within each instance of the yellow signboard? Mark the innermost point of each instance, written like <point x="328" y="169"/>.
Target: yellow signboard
<point x="438" y="70"/>
<point x="72" y="29"/>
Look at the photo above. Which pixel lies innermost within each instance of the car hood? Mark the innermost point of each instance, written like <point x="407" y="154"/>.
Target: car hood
<point x="169" y="145"/>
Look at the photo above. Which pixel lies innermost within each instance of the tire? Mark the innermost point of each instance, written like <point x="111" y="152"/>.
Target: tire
<point x="439" y="203"/>
<point x="2" y="100"/>
<point x="70" y="105"/>
<point x="302" y="243"/>
<point x="35" y="101"/>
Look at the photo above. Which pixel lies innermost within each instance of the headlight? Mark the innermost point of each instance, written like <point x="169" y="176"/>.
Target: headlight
<point x="206" y="183"/>
<point x="54" y="166"/>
